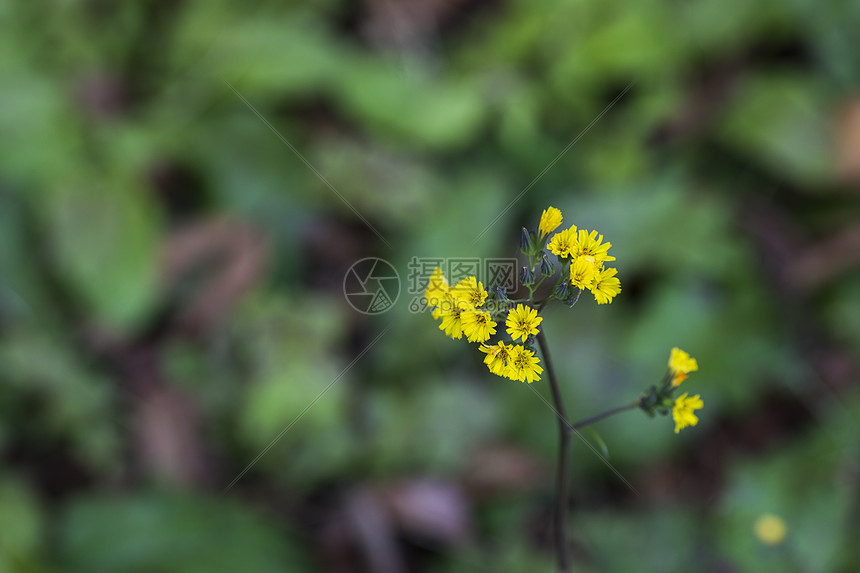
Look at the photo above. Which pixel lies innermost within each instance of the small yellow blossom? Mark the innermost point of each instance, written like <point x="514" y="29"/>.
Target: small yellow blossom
<point x="523" y="365"/>
<point x="590" y="246"/>
<point x="522" y="322"/>
<point x="550" y="219"/>
<point x="496" y="359"/>
<point x="436" y="291"/>
<point x="582" y="273"/>
<point x="680" y="365"/>
<point x="478" y="326"/>
<point x="562" y="243"/>
<point x="683" y="411"/>
<point x="770" y="529"/>
<point x="437" y="287"/>
<point x="605" y="286"/>
<point x="470" y="291"/>
<point x="451" y="309"/>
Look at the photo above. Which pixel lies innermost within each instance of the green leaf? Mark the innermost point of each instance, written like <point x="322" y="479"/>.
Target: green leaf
<point x="164" y="533"/>
<point x="596" y="437"/>
<point x="103" y="238"/>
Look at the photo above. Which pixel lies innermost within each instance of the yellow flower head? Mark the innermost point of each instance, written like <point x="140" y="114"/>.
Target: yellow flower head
<point x="582" y="273"/>
<point x="470" y="291"/>
<point x="683" y="411"/>
<point x="477" y="325"/>
<point x="496" y="359"/>
<point x="770" y="529"/>
<point x="562" y="243"/>
<point x="523" y="365"/>
<point x="451" y="309"/>
<point x="591" y="247"/>
<point x="605" y="286"/>
<point x="522" y="322"/>
<point x="680" y="365"/>
<point x="550" y="219"/>
<point x="437" y="288"/>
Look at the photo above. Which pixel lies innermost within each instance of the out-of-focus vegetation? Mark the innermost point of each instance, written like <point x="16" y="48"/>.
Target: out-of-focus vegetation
<point x="171" y="282"/>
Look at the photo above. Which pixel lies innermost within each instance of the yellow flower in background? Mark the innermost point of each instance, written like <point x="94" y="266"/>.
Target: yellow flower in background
<point x="523" y="365"/>
<point x="770" y="529"/>
<point x="683" y="411"/>
<point x="550" y="219"/>
<point x="582" y="273"/>
<point x="478" y="326"/>
<point x="522" y="322"/>
<point x="563" y="242"/>
<point x="470" y="291"/>
<point x="496" y="359"/>
<point x="605" y="286"/>
<point x="436" y="291"/>
<point x="680" y="365"/>
<point x="590" y="246"/>
<point x="437" y="288"/>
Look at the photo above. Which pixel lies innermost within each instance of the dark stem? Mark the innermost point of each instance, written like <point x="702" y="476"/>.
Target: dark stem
<point x="563" y="460"/>
<point x="606" y="414"/>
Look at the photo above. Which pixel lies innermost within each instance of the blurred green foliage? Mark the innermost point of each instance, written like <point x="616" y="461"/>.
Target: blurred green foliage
<point x="711" y="174"/>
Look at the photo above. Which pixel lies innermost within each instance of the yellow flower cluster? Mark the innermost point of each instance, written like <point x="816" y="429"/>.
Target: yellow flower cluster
<point x="459" y="308"/>
<point x="587" y="254"/>
<point x="515" y="362"/>
<point x="680" y="365"/>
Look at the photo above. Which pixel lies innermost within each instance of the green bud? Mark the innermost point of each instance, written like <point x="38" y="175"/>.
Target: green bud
<point x="546" y="267"/>
<point x="527" y="277"/>
<point x="525" y="241"/>
<point x="501" y="293"/>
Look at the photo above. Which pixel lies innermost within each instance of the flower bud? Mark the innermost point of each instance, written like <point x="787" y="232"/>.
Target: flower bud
<point x="525" y="241"/>
<point x="563" y="290"/>
<point x="501" y="293"/>
<point x="546" y="267"/>
<point x="527" y="277"/>
<point x="573" y="297"/>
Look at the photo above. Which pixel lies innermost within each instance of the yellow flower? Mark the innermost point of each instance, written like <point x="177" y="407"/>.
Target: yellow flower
<point x="496" y="359"/>
<point x="523" y="365"/>
<point x="683" y="411"/>
<point x="451" y="309"/>
<point x="582" y="273"/>
<point x="470" y="291"/>
<point x="436" y="291"/>
<point x="522" y="322"/>
<point x="562" y="243"/>
<point x="605" y="286"/>
<point x="591" y="247"/>
<point x="770" y="529"/>
<point x="437" y="288"/>
<point x="680" y="365"/>
<point x="550" y="219"/>
<point x="477" y="325"/>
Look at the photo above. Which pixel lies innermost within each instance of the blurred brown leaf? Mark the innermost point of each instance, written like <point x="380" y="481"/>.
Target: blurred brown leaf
<point x="229" y="254"/>
<point x="498" y="469"/>
<point x="848" y="142"/>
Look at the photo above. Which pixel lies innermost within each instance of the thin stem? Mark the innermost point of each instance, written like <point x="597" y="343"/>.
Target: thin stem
<point x="596" y="418"/>
<point x="563" y="460"/>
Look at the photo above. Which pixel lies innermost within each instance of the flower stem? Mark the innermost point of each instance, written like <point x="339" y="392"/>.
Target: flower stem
<point x="563" y="460"/>
<point x="602" y="415"/>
